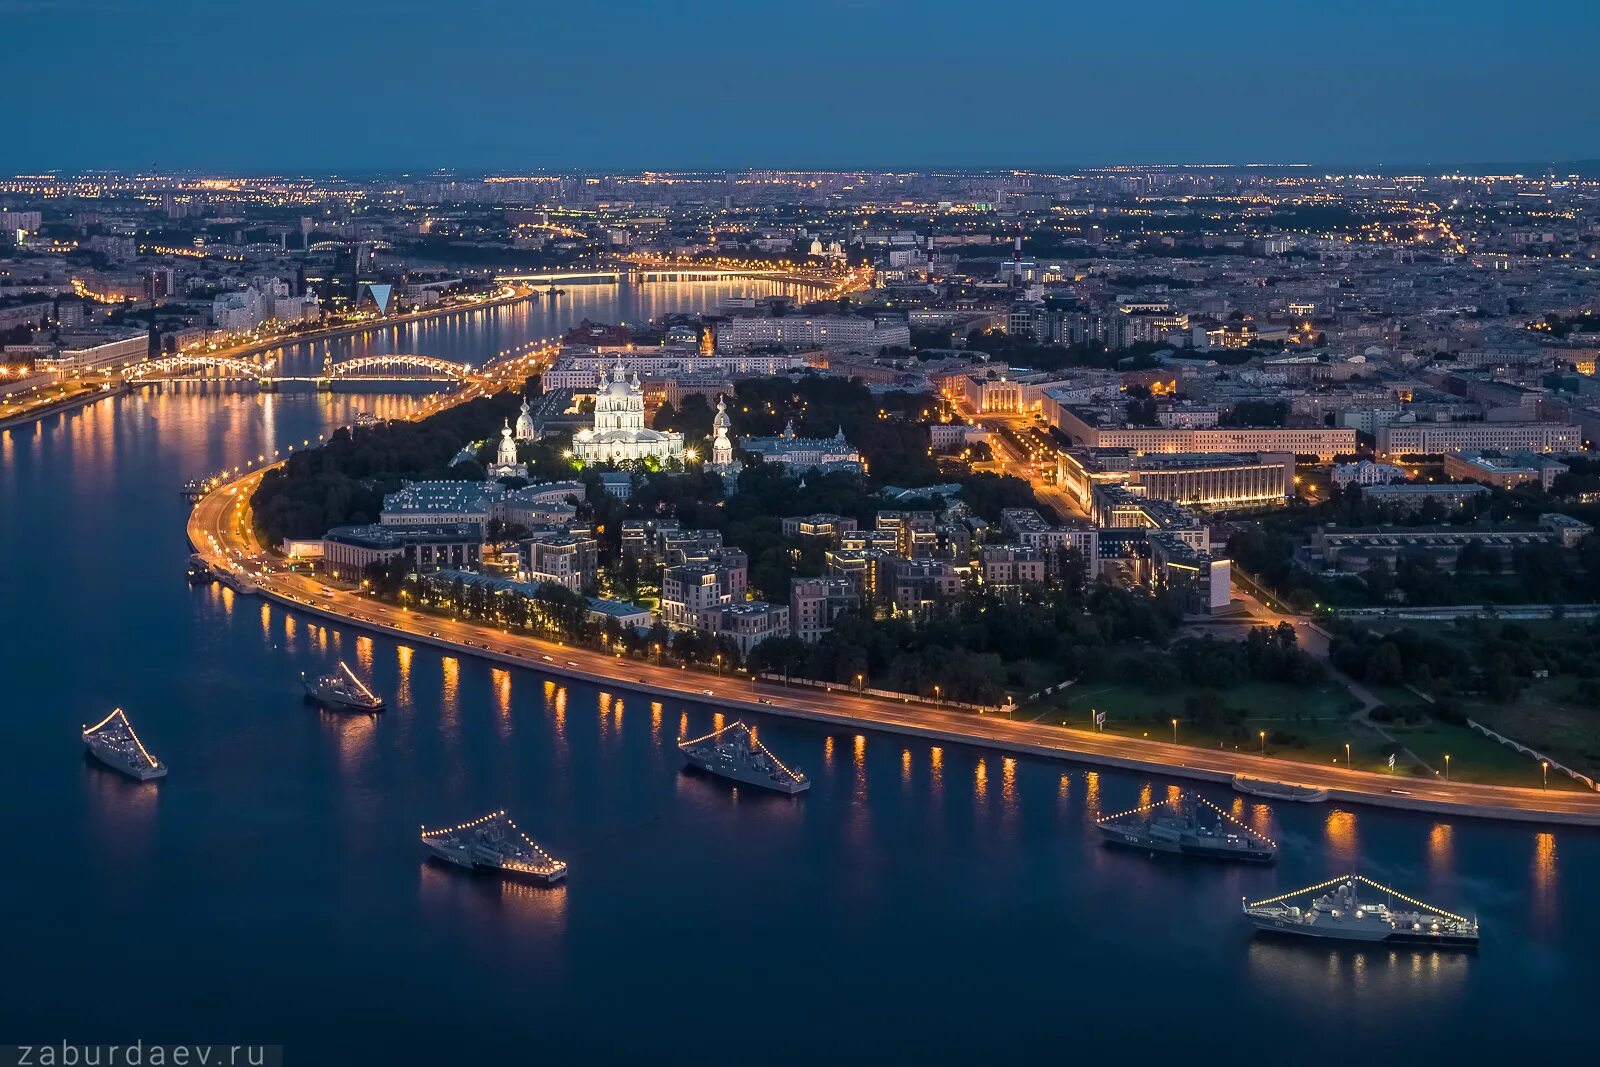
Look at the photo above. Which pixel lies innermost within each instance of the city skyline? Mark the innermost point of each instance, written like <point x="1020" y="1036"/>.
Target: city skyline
<point x="831" y="85"/>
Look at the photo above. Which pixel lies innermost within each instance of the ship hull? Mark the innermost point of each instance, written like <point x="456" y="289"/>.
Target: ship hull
<point x="465" y="863"/>
<point x="1138" y="843"/>
<point x="1312" y="932"/>
<point x="330" y="703"/>
<point x="121" y="766"/>
<point x="736" y="774"/>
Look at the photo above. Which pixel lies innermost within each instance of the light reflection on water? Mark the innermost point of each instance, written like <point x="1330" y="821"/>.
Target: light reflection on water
<point x="1340" y="829"/>
<point x="1336" y="978"/>
<point x="808" y="881"/>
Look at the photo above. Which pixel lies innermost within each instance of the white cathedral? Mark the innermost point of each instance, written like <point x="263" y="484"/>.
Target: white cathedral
<point x="505" y="463"/>
<point x="619" y="434"/>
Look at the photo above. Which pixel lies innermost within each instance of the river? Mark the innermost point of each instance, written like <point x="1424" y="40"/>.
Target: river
<point x="920" y="904"/>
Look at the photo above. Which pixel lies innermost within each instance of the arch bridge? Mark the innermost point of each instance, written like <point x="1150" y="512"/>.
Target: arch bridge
<point x="397" y="365"/>
<point x="196" y="366"/>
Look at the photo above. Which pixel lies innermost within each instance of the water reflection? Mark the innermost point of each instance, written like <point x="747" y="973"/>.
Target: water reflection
<point x="123" y="812"/>
<point x="1339" y="978"/>
<point x="354" y="733"/>
<point x="1544" y="880"/>
<point x="509" y="907"/>
<point x="1340" y="829"/>
<point x="403" y="654"/>
<point x="501" y="681"/>
<point x="450" y="694"/>
<point x="1441" y="849"/>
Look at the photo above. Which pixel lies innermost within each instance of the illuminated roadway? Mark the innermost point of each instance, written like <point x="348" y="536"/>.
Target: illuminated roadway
<point x="220" y="529"/>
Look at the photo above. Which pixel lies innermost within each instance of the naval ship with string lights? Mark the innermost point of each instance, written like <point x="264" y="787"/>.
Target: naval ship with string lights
<point x="341" y="691"/>
<point x="494" y="843"/>
<point x="1337" y="913"/>
<point x="1188" y="826"/>
<point x="734" y="753"/>
<point x="113" y="742"/>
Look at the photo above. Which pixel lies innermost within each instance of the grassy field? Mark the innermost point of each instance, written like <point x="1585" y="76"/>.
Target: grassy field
<point x="1546" y="717"/>
<point x="1318" y="718"/>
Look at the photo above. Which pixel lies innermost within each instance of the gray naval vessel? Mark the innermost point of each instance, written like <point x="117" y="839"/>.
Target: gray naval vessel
<point x="113" y="742"/>
<point x="734" y="753"/>
<point x="1193" y="826"/>
<point x="494" y="843"/>
<point x="1336" y="912"/>
<point x="341" y="691"/>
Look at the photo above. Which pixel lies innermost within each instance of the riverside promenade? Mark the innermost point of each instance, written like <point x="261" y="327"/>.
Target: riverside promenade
<point x="221" y="530"/>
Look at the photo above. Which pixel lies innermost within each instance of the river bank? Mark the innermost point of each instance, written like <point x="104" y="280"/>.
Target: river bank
<point x="220" y="529"/>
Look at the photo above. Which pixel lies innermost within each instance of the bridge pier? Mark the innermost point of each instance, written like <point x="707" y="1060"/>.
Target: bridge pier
<point x="324" y="385"/>
<point x="267" y="385"/>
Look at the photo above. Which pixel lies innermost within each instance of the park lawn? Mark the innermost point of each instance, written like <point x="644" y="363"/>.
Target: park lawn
<point x="1547" y="718"/>
<point x="1474" y="757"/>
<point x="1268" y="705"/>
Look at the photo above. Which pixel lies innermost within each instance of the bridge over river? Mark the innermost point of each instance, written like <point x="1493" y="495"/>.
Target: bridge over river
<point x="373" y="369"/>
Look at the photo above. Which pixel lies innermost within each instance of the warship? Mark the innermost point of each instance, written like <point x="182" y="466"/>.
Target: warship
<point x="113" y="742"/>
<point x="734" y="753"/>
<point x="341" y="691"/>
<point x="495" y="843"/>
<point x="1192" y="826"/>
<point x="1337" y="913"/>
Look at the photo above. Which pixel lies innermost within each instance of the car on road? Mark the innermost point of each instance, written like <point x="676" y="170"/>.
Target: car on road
<point x="547" y="659"/>
<point x="572" y="663"/>
<point x="707" y="692"/>
<point x="433" y="633"/>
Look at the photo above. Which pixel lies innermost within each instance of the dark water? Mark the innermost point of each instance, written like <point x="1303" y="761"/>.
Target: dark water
<point x="919" y="905"/>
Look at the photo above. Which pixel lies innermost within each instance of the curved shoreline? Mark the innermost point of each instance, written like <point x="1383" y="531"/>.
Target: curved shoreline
<point x="351" y="329"/>
<point x="209" y="525"/>
<point x="59" y="407"/>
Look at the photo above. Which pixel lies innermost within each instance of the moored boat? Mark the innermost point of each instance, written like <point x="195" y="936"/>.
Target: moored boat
<point x="494" y="843"/>
<point x="341" y="691"/>
<point x="113" y="742"/>
<point x="1336" y="912"/>
<point x="734" y="753"/>
<point x="1189" y="826"/>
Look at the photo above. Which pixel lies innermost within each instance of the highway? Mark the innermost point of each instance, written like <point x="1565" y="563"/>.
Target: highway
<point x="220" y="530"/>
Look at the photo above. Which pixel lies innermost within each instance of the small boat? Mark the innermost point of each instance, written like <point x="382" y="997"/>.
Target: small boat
<point x="1337" y="913"/>
<point x="341" y="691"/>
<point x="733" y="752"/>
<point x="113" y="742"/>
<point x="494" y="843"/>
<point x="1275" y="790"/>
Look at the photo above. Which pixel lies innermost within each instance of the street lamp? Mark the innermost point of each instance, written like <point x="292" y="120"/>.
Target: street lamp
<point x="1545" y="765"/>
<point x="1447" y="766"/>
<point x="936" y="694"/>
<point x="1174" y="731"/>
<point x="860" y="682"/>
<point x="1263" y="742"/>
<point x="1347" y="753"/>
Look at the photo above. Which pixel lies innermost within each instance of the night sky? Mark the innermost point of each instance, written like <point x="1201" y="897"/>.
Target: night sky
<point x="300" y="86"/>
